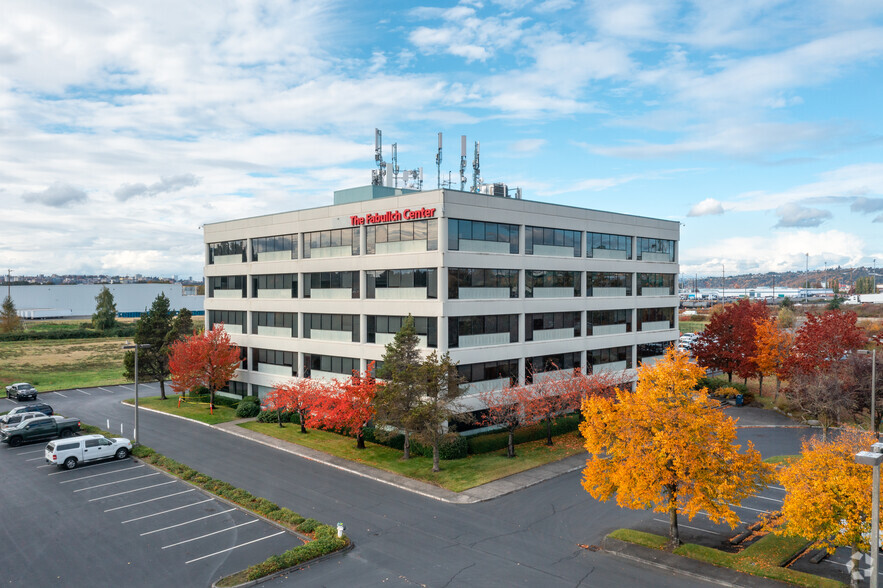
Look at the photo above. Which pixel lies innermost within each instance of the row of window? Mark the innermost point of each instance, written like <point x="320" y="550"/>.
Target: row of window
<point x="463" y="283"/>
<point x="463" y="235"/>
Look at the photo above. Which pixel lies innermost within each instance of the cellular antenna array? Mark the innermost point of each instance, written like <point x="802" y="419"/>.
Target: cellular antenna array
<point x="462" y="162"/>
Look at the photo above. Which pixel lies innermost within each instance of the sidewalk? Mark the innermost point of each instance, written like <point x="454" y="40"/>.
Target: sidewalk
<point x="481" y="493"/>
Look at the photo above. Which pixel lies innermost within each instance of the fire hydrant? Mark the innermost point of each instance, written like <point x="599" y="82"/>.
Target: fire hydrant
<point x="340" y="529"/>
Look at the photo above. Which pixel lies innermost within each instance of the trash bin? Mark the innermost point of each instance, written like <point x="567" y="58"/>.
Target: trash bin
<point x="739" y="399"/>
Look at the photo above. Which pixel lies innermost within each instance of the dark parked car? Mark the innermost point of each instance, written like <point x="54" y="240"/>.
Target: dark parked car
<point x="21" y="391"/>
<point x="44" y="409"/>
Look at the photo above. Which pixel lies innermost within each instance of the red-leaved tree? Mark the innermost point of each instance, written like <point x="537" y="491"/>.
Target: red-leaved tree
<point x="728" y="343"/>
<point x="823" y="341"/>
<point x="551" y="395"/>
<point x="347" y="406"/>
<point x="208" y="359"/>
<point x="297" y="396"/>
<point x="506" y="408"/>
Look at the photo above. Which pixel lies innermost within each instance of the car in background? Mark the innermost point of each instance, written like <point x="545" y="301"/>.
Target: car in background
<point x="38" y="407"/>
<point x="21" y="391"/>
<point x="12" y="420"/>
<point x="39" y="429"/>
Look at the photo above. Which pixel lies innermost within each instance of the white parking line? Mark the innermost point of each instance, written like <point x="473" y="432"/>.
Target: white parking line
<point x="116" y="482"/>
<point x="150" y="500"/>
<point x="776" y="487"/>
<point x="63" y="396"/>
<point x="31" y="452"/>
<point x="48" y="465"/>
<point x="156" y="514"/>
<point x="689" y="527"/>
<point x="770" y="499"/>
<point x="102" y="474"/>
<point x="106" y="390"/>
<point x="210" y="534"/>
<point x="749" y="508"/>
<point x="130" y="491"/>
<point x="35" y="458"/>
<point x="90" y="467"/>
<point x="235" y="547"/>
<point x="132" y="389"/>
<point x="188" y="522"/>
<point x="84" y="392"/>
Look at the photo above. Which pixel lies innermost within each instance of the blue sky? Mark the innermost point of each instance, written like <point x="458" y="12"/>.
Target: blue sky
<point x="127" y="125"/>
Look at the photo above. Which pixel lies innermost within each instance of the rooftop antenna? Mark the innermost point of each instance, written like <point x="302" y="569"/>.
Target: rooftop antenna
<point x="438" y="161"/>
<point x="377" y="175"/>
<point x="462" y="162"/>
<point x="476" y="170"/>
<point x="395" y="165"/>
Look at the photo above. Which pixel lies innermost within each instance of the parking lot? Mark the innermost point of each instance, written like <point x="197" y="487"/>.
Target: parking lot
<point x="117" y="523"/>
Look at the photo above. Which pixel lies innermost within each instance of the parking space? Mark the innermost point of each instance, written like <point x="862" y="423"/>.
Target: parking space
<point x="124" y="521"/>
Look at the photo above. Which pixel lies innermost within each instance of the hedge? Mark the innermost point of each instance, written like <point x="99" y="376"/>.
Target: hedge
<point x="451" y="447"/>
<point x="714" y="383"/>
<point x="119" y="331"/>
<point x="248" y="407"/>
<point x="495" y="440"/>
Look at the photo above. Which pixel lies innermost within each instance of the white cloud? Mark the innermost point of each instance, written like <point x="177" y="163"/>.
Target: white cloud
<point x="794" y="215"/>
<point x="527" y="146"/>
<point x="166" y="184"/>
<point x="707" y="207"/>
<point x="58" y="194"/>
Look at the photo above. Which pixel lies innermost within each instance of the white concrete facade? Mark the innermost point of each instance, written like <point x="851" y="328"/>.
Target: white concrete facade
<point x="473" y="301"/>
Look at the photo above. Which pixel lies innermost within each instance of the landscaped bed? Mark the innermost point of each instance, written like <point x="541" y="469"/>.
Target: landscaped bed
<point x="196" y="409"/>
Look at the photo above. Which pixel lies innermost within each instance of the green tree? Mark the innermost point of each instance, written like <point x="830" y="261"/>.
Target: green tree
<point x="153" y="328"/>
<point x="439" y="399"/>
<point x="182" y="326"/>
<point x="9" y="319"/>
<point x="396" y="400"/>
<point x="864" y="285"/>
<point x="787" y="319"/>
<point x="105" y="316"/>
<point x="787" y="303"/>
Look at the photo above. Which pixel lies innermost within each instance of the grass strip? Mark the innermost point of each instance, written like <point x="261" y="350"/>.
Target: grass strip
<point x="763" y="558"/>
<point x="456" y="475"/>
<point x="323" y="538"/>
<point x="197" y="411"/>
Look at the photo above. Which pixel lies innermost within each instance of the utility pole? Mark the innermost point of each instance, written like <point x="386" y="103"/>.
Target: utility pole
<point x="806" y="274"/>
<point x="723" y="285"/>
<point x="9" y="284"/>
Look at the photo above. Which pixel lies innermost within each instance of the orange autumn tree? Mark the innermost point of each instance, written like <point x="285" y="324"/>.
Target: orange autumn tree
<point x="773" y="345"/>
<point x="828" y="494"/>
<point x="668" y="447"/>
<point x="296" y="396"/>
<point x="208" y="359"/>
<point x="347" y="406"/>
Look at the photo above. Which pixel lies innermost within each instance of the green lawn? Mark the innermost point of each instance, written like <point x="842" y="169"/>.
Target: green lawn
<point x="62" y="364"/>
<point x="456" y="475"/>
<point x="763" y="558"/>
<point x="190" y="410"/>
<point x="691" y="326"/>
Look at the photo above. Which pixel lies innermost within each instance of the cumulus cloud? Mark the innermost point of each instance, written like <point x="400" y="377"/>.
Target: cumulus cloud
<point x="165" y="184"/>
<point x="59" y="194"/>
<point x="707" y="207"/>
<point x="525" y="146"/>
<point x="866" y="205"/>
<point x="795" y="215"/>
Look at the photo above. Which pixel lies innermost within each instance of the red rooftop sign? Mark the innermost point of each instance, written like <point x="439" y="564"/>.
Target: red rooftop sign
<point x="392" y="216"/>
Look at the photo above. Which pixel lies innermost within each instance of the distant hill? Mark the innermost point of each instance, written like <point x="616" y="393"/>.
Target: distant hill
<point x="845" y="276"/>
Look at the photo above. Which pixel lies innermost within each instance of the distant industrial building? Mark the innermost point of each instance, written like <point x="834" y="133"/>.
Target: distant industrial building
<point x="78" y="300"/>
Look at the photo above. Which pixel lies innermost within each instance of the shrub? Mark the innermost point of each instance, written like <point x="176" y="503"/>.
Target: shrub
<point x="308" y="525"/>
<point x="246" y="409"/>
<point x="496" y="440"/>
<point x="271" y="416"/>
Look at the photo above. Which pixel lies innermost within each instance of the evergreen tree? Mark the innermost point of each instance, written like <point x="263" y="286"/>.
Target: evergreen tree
<point x="439" y="397"/>
<point x="153" y="328"/>
<point x="9" y="319"/>
<point x="401" y="370"/>
<point x="182" y="326"/>
<point x="105" y="316"/>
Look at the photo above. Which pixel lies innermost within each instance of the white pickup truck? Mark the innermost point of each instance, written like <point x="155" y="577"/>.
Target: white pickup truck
<point x="67" y="453"/>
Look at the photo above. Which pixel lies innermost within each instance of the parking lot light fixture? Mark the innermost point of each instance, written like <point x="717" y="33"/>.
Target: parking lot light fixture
<point x="874" y="458"/>
<point x="136" y="347"/>
<point x="873" y="353"/>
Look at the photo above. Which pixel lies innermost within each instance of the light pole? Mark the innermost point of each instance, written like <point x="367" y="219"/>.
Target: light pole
<point x="136" y="347"/>
<point x="873" y="353"/>
<point x="806" y="274"/>
<point x="723" y="285"/>
<point x="874" y="458"/>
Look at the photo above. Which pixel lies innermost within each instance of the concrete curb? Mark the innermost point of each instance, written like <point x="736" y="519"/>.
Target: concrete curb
<point x="685" y="566"/>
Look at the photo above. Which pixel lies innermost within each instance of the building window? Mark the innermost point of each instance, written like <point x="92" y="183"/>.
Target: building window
<point x="612" y="359"/>
<point x="604" y="246"/>
<point x="490" y="375"/>
<point x="405" y="237"/>
<point x="608" y="284"/>
<point x="546" y="367"/>
<point x="331" y="285"/>
<point x="329" y="366"/>
<point x="274" y="324"/>
<point x="473" y="331"/>
<point x="235" y="388"/>
<point x="655" y="249"/>
<point x="655" y="319"/>
<point x="382" y="329"/>
<point x="274" y="286"/>
<point x="546" y="326"/>
<point x="243" y="358"/>
<point x="233" y="320"/>
<point x="650" y="352"/>
<point x="331" y="243"/>
<point x="274" y="248"/>
<point x="546" y="241"/>
<point x="332" y="327"/>
<point x="551" y="284"/>
<point x="402" y="284"/>
<point x="656" y="284"/>
<point x="609" y="322"/>
<point x="226" y="252"/>
<point x="226" y="287"/>
<point x="479" y="283"/>
<point x="280" y="363"/>
<point x="485" y="237"/>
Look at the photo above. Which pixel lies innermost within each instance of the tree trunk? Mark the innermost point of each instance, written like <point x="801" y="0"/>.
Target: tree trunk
<point x="549" y="430"/>
<point x="435" y="466"/>
<point x="730" y="377"/>
<point x="778" y="385"/>
<point x="279" y="416"/>
<point x="406" y="450"/>
<point x="673" y="534"/>
<point x="162" y="390"/>
<point x="760" y="386"/>
<point x="511" y="446"/>
<point x="301" y="418"/>
<point x="211" y="399"/>
<point x="360" y="439"/>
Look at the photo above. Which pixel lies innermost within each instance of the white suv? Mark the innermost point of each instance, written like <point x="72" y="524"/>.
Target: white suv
<point x="68" y="453"/>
